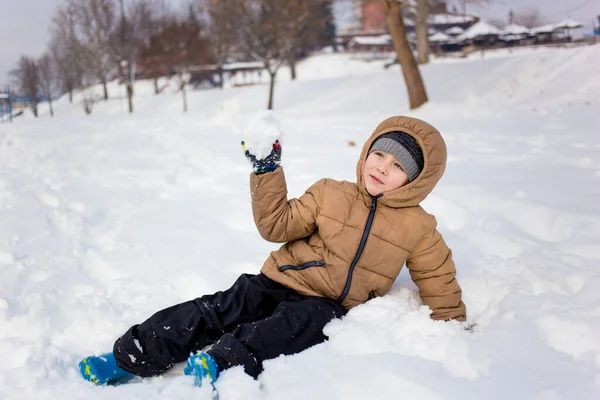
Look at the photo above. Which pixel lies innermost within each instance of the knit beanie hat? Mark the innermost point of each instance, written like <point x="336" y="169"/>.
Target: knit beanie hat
<point x="406" y="150"/>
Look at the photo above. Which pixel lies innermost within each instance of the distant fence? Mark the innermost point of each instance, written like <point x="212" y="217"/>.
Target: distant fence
<point x="6" y="105"/>
<point x="12" y="104"/>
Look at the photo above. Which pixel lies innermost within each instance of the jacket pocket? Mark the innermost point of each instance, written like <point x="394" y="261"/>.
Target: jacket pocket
<point x="303" y="266"/>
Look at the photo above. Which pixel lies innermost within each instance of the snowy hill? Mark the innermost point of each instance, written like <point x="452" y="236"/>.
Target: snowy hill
<point x="106" y="218"/>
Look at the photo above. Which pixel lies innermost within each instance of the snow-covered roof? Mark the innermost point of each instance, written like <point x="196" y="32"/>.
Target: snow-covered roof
<point x="439" y="37"/>
<point x="455" y="30"/>
<point x="514" y="29"/>
<point x="479" y="29"/>
<point x="568" y="24"/>
<point x="543" y="29"/>
<point x="381" y="40"/>
<point x="242" y="65"/>
<point x="445" y="19"/>
<point x="3" y="96"/>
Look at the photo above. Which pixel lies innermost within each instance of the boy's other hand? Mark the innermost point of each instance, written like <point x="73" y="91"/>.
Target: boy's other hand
<point x="267" y="164"/>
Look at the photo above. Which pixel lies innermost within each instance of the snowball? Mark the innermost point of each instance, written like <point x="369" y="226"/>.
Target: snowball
<point x="259" y="135"/>
<point x="6" y="258"/>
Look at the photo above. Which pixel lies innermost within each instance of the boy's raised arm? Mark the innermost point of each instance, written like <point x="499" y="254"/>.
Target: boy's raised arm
<point x="433" y="271"/>
<point x="277" y="219"/>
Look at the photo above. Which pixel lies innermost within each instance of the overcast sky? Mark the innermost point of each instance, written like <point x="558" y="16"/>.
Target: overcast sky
<point x="24" y="23"/>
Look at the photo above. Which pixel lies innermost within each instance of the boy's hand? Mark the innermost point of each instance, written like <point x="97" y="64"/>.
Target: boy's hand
<point x="267" y="164"/>
<point x="261" y="142"/>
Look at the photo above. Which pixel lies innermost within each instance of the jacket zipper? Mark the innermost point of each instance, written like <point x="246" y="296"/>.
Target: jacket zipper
<point x="361" y="247"/>
<point x="303" y="266"/>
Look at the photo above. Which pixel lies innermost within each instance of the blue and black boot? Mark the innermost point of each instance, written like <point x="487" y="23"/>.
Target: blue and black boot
<point x="202" y="366"/>
<point x="101" y="369"/>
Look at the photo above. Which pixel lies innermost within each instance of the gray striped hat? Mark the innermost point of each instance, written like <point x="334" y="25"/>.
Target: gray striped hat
<point x="406" y="150"/>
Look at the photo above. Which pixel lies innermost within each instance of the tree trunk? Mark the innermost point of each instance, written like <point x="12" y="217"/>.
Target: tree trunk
<point x="70" y="95"/>
<point x="221" y="76"/>
<point x="412" y="77"/>
<point x="34" y="109"/>
<point x="183" y="93"/>
<point x="105" y="89"/>
<point x="51" y="109"/>
<point x="155" y="85"/>
<point x="271" y="89"/>
<point x="292" y="62"/>
<point x="422" y="30"/>
<point x="129" y="96"/>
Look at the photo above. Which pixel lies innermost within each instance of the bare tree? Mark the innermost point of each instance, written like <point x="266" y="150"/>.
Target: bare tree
<point x="153" y="58"/>
<point x="418" y="12"/>
<point x="271" y="32"/>
<point x="47" y="73"/>
<point x="180" y="49"/>
<point x="134" y="26"/>
<point x="529" y="18"/>
<point x="301" y="23"/>
<point x="222" y="30"/>
<point x="69" y="73"/>
<point x="194" y="51"/>
<point x="96" y="22"/>
<point x="422" y="31"/>
<point x="264" y="37"/>
<point x="27" y="78"/>
<point x="417" y="95"/>
<point x="66" y="49"/>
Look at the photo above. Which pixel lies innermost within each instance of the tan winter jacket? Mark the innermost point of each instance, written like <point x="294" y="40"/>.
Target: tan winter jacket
<point x="343" y="244"/>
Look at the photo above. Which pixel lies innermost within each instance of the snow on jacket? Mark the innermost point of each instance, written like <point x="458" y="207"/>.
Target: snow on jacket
<point x="344" y="244"/>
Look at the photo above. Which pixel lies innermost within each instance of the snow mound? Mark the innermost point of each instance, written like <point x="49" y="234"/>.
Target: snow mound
<point x="107" y="218"/>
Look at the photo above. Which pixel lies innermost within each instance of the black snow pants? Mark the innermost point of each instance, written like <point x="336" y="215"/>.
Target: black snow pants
<point x="255" y="320"/>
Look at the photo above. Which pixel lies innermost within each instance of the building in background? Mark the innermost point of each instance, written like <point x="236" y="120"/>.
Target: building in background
<point x="369" y="22"/>
<point x="440" y="19"/>
<point x="373" y="19"/>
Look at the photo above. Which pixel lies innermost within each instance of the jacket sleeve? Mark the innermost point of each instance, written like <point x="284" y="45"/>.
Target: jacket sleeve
<point x="433" y="271"/>
<point x="277" y="218"/>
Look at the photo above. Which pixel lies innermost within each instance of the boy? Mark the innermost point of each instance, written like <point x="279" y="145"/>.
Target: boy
<point x="344" y="243"/>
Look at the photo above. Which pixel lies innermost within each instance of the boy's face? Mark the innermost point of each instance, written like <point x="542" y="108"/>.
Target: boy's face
<point x="382" y="173"/>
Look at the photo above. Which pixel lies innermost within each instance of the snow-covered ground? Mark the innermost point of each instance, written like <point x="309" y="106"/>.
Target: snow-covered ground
<point x="106" y="218"/>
